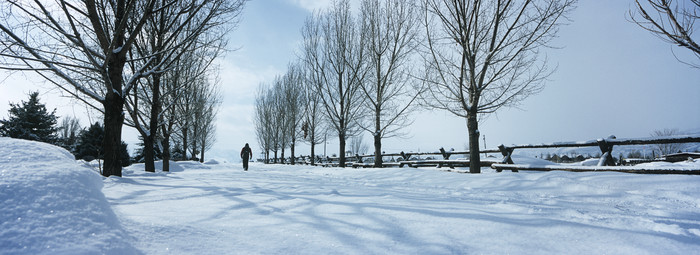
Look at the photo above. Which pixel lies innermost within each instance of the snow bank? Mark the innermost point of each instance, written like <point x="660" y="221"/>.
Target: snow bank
<point x="51" y="204"/>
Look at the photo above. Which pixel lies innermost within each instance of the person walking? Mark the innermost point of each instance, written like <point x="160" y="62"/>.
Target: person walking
<point x="246" y="154"/>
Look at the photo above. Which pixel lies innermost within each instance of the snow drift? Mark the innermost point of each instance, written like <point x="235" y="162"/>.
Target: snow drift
<point x="50" y="204"/>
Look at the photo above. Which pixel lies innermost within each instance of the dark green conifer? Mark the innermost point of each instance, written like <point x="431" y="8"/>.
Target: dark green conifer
<point x="30" y="121"/>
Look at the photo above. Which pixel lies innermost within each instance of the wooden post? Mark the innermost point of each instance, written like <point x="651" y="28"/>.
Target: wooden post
<point x="606" y="148"/>
<point x="445" y="155"/>
<point x="405" y="156"/>
<point x="507" y="153"/>
<point x="359" y="159"/>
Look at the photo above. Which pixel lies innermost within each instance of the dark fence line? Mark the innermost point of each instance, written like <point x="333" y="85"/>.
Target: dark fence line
<point x="605" y="145"/>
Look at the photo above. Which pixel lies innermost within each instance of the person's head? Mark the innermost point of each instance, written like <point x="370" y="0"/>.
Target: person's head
<point x="246" y="145"/>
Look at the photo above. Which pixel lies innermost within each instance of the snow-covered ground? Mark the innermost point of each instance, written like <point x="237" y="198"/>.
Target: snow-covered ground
<point x="51" y="204"/>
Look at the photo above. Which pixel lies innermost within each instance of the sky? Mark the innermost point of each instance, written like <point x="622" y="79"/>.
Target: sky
<point x="612" y="78"/>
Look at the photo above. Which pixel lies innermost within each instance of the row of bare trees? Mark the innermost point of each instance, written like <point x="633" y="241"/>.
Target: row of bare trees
<point x="278" y="113"/>
<point x="353" y="75"/>
<point x="120" y="56"/>
<point x="478" y="56"/>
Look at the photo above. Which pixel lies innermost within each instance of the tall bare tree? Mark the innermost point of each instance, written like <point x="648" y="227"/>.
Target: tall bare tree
<point x="294" y="100"/>
<point x="166" y="37"/>
<point x="333" y="44"/>
<point x="484" y="55"/>
<point x="671" y="22"/>
<point x="313" y="125"/>
<point x="68" y="132"/>
<point x="263" y="120"/>
<point x="81" y="47"/>
<point x="281" y="120"/>
<point x="668" y="148"/>
<point x="207" y="110"/>
<point x="390" y="31"/>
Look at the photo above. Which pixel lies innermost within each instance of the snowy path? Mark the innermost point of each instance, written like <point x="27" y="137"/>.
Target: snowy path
<point x="219" y="209"/>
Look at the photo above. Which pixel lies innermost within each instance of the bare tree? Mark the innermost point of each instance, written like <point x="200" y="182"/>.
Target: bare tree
<point x="357" y="145"/>
<point x="281" y="120"/>
<point x="206" y="119"/>
<point x="671" y="22"/>
<point x="669" y="148"/>
<point x="181" y="84"/>
<point x="484" y="55"/>
<point x="293" y="106"/>
<point x="314" y="124"/>
<point x="335" y="53"/>
<point x="264" y="120"/>
<point x="81" y="47"/>
<point x="390" y="32"/>
<point x="168" y="37"/>
<point x="68" y="132"/>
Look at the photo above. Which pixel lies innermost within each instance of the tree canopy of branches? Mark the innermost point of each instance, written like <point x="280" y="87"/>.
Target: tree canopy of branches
<point x="313" y="127"/>
<point x="667" y="148"/>
<point x="333" y="50"/>
<point x="278" y="113"/>
<point x="68" y="132"/>
<point x="481" y="56"/>
<point x="671" y="22"/>
<point x="391" y="32"/>
<point x="83" y="48"/>
<point x="169" y="37"/>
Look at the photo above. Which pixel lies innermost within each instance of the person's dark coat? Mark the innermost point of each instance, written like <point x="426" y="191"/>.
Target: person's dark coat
<point x="246" y="154"/>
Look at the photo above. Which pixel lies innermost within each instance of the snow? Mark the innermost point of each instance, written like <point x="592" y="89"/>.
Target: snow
<point x="51" y="204"/>
<point x="216" y="208"/>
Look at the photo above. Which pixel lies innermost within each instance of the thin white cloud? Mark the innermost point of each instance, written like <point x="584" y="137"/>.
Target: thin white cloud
<point x="312" y="5"/>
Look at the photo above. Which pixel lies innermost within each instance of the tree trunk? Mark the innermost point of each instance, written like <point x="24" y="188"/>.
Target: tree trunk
<point x="377" y="135"/>
<point x="292" y="151"/>
<point x="473" y="128"/>
<point x="166" y="152"/>
<point x="111" y="144"/>
<point x="282" y="156"/>
<point x="201" y="153"/>
<point x="341" y="138"/>
<point x="149" y="141"/>
<point x="184" y="141"/>
<point x="378" y="150"/>
<point x="114" y="111"/>
<point x="313" y="151"/>
<point x="148" y="152"/>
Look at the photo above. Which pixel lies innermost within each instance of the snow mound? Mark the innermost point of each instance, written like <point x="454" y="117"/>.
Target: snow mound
<point x="51" y="204"/>
<point x="519" y="159"/>
<point x="193" y="165"/>
<point x="212" y="162"/>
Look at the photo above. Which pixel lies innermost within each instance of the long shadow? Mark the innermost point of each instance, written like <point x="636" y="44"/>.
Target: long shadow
<point x="308" y="212"/>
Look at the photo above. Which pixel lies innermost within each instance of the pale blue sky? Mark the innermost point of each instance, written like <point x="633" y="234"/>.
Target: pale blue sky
<point x="612" y="78"/>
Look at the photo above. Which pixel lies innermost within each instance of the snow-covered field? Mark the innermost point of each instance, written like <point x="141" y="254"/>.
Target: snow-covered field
<point x="51" y="204"/>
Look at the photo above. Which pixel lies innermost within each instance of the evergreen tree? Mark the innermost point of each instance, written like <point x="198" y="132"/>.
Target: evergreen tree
<point x="90" y="143"/>
<point x="177" y="152"/>
<point x="126" y="159"/>
<point x="30" y="121"/>
<point x="141" y="157"/>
